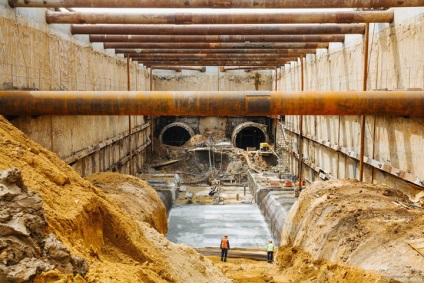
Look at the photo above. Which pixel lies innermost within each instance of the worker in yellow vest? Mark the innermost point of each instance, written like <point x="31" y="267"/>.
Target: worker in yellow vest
<point x="225" y="246"/>
<point x="270" y="251"/>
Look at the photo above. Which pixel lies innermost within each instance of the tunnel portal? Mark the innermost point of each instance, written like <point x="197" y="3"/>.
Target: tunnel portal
<point x="176" y="134"/>
<point x="249" y="134"/>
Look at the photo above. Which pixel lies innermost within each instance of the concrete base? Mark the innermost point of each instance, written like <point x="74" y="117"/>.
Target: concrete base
<point x="204" y="225"/>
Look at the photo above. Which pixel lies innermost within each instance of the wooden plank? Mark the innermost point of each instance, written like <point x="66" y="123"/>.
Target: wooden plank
<point x="165" y="163"/>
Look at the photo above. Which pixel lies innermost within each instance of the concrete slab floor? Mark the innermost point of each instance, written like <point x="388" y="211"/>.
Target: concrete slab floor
<point x="204" y="225"/>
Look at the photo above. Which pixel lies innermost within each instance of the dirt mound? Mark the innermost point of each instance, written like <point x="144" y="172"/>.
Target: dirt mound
<point x="26" y="249"/>
<point x="358" y="224"/>
<point x="134" y="195"/>
<point x="196" y="140"/>
<point x="92" y="226"/>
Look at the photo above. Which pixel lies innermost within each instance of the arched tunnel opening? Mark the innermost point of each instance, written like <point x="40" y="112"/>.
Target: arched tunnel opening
<point x="249" y="134"/>
<point x="249" y="137"/>
<point x="176" y="134"/>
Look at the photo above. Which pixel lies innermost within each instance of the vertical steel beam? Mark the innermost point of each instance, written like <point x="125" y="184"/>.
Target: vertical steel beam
<point x="364" y="88"/>
<point x="152" y="124"/>
<point x="129" y="119"/>
<point x="302" y="88"/>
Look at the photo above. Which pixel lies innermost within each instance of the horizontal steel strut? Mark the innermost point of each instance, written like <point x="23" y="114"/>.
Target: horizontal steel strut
<point x="212" y="103"/>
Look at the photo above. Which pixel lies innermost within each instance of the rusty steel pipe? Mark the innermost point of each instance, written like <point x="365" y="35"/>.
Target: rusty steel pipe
<point x="212" y="103"/>
<point x="216" y="51"/>
<point x="223" y="17"/>
<point x="217" y="38"/>
<point x="213" y="63"/>
<point x="246" y="68"/>
<point x="215" y="3"/>
<point x="219" y="29"/>
<point x="212" y="56"/>
<point x="223" y="45"/>
<point x="179" y="68"/>
<point x="194" y="59"/>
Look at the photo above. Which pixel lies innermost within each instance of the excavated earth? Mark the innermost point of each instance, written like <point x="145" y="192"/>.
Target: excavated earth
<point x="95" y="238"/>
<point x="58" y="227"/>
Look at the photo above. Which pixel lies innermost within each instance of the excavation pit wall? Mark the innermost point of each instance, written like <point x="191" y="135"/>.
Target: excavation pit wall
<point x="273" y="198"/>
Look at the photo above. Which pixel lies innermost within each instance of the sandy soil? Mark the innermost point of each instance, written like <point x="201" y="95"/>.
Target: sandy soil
<point x="356" y="224"/>
<point x="91" y="225"/>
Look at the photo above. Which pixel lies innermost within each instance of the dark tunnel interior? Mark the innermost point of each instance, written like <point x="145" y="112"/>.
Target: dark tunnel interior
<point x="175" y="136"/>
<point x="249" y="137"/>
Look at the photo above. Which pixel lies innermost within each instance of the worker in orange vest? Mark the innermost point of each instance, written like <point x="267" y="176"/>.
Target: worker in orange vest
<point x="225" y="246"/>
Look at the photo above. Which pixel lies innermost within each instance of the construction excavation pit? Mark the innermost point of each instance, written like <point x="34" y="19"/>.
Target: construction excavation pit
<point x="211" y="141"/>
<point x="172" y="216"/>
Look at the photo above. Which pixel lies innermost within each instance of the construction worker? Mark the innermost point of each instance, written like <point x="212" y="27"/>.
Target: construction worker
<point x="270" y="251"/>
<point x="225" y="246"/>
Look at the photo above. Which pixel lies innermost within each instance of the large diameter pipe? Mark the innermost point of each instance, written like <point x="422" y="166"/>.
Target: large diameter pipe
<point x="219" y="29"/>
<point x="215" y="3"/>
<point x="217" y="38"/>
<point x="226" y="17"/>
<point x="216" y="51"/>
<point x="209" y="55"/>
<point x="223" y="45"/>
<point x="206" y="60"/>
<point x="213" y="103"/>
<point x="179" y="68"/>
<point x="272" y="63"/>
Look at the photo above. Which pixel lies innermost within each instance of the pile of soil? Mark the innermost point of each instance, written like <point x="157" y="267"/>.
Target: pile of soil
<point x="350" y="223"/>
<point x="135" y="196"/>
<point x="92" y="226"/>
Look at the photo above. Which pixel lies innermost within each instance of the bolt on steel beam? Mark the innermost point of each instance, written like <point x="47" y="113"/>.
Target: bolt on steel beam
<point x="217" y="38"/>
<point x="226" y="17"/>
<point x="258" y="4"/>
<point x="223" y="45"/>
<point x="213" y="103"/>
<point x="219" y="29"/>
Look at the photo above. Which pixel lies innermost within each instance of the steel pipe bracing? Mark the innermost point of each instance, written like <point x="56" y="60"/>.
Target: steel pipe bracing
<point x="216" y="51"/>
<point x="179" y="68"/>
<point x="376" y="4"/>
<point x="226" y="17"/>
<point x="213" y="103"/>
<point x="208" y="55"/>
<point x="217" y="38"/>
<point x="223" y="45"/>
<point x="214" y="60"/>
<point x="273" y="63"/>
<point x="246" y="68"/>
<point x="219" y="29"/>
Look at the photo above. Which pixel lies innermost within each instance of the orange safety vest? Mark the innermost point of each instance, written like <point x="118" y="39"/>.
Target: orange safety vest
<point x="224" y="244"/>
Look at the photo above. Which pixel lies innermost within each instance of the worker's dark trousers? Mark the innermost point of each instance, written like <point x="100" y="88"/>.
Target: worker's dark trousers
<point x="224" y="253"/>
<point x="270" y="256"/>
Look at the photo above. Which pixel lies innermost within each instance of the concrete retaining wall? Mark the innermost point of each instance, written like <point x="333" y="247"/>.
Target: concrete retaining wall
<point x="273" y="204"/>
<point x="38" y="56"/>
<point x="393" y="145"/>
